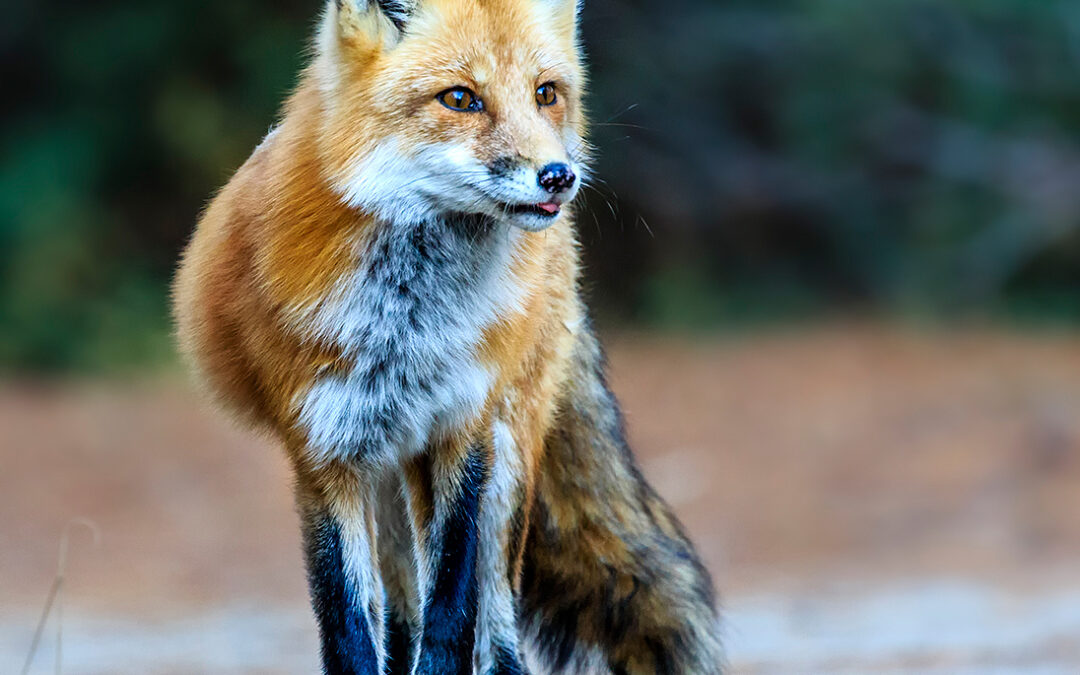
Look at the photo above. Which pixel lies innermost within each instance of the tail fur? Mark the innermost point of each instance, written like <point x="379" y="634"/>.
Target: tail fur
<point x="610" y="581"/>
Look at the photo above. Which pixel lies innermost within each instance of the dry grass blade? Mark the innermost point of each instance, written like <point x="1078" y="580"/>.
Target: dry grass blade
<point x="55" y="596"/>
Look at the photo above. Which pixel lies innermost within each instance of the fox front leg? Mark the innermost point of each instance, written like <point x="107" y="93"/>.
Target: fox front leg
<point x="337" y="517"/>
<point x="502" y="526"/>
<point x="445" y="486"/>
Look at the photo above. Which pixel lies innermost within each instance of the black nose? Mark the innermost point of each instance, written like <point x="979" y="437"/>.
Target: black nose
<point x="556" y="177"/>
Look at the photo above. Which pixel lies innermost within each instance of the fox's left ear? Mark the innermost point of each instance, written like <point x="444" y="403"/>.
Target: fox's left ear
<point x="372" y="22"/>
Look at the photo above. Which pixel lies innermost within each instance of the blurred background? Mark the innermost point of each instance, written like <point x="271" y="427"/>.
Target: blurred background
<point x="835" y="252"/>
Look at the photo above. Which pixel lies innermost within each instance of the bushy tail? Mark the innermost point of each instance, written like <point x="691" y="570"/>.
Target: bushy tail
<point x="609" y="579"/>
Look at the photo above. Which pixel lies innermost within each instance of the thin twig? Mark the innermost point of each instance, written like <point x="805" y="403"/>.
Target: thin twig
<point x="55" y="596"/>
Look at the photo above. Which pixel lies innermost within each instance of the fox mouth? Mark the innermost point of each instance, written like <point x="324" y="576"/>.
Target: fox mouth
<point x="545" y="210"/>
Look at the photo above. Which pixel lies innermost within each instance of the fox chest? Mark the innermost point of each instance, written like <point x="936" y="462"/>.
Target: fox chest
<point x="409" y="320"/>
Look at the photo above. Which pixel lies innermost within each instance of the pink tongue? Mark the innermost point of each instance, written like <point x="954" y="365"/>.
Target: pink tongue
<point x="550" y="207"/>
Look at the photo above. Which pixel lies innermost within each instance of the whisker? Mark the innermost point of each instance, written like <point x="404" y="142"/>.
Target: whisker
<point x="621" y="113"/>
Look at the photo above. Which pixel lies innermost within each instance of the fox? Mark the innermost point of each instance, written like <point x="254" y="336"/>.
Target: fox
<point x="390" y="286"/>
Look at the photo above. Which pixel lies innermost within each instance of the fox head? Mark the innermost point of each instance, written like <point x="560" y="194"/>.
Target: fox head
<point x="452" y="106"/>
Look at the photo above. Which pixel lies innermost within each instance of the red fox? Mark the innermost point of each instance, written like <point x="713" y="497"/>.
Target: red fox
<point x="389" y="284"/>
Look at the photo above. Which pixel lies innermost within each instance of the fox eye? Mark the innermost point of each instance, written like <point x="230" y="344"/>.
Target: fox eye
<point x="545" y="94"/>
<point x="460" y="99"/>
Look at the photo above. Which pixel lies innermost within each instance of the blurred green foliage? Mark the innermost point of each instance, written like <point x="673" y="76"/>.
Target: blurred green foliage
<point x="123" y="118"/>
<point x="758" y="158"/>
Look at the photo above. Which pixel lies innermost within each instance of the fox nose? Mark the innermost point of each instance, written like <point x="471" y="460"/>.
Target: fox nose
<point x="556" y="177"/>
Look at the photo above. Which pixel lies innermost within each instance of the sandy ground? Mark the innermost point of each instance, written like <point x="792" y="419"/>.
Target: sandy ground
<point x="868" y="500"/>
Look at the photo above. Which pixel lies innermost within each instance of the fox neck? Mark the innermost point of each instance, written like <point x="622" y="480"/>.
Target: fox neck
<point x="409" y="318"/>
<point x="351" y="279"/>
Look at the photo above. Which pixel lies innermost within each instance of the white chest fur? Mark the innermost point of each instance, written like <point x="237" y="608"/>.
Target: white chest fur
<point x="410" y="318"/>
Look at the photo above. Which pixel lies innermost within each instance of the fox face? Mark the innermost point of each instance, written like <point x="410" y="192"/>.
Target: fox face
<point x="453" y="107"/>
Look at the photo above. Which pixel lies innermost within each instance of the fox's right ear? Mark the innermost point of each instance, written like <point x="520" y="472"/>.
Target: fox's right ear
<point x="370" y="23"/>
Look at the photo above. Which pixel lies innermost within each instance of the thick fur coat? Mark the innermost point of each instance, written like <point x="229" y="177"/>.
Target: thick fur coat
<point x="387" y="288"/>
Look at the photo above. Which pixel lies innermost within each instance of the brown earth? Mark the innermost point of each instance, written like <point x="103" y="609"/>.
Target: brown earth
<point x="816" y="469"/>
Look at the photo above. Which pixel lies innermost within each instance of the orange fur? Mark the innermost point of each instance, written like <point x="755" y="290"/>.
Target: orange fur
<point x="283" y="241"/>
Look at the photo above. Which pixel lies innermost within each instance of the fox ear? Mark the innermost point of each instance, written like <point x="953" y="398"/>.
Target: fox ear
<point x="567" y="13"/>
<point x="370" y="21"/>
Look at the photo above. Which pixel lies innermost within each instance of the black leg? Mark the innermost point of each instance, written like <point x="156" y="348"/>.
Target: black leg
<point x="451" y="588"/>
<point x="348" y="645"/>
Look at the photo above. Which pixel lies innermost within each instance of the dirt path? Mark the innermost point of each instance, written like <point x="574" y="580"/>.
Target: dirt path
<point x="868" y="500"/>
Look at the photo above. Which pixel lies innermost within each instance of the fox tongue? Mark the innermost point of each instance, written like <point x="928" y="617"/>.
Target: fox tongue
<point x="550" y="207"/>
